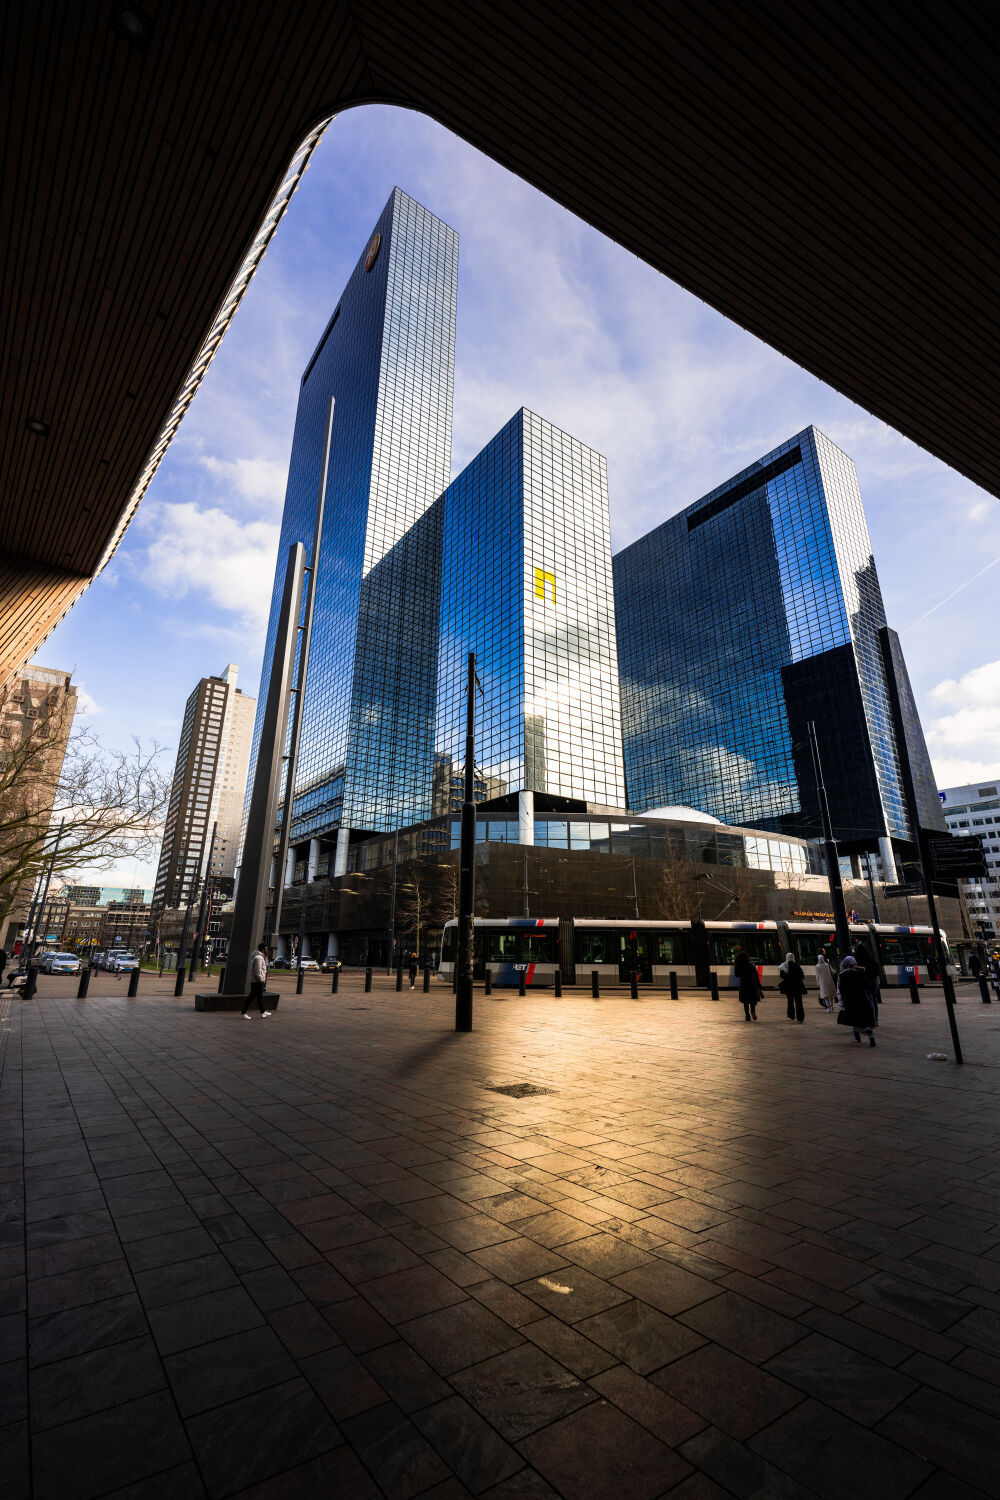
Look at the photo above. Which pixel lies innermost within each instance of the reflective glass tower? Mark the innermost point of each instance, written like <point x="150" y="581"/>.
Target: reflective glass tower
<point x="746" y="615"/>
<point x="526" y="584"/>
<point x="387" y="358"/>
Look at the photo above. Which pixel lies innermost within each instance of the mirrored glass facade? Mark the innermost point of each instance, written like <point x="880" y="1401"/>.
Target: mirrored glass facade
<point x="741" y="618"/>
<point x="387" y="356"/>
<point x="526" y="584"/>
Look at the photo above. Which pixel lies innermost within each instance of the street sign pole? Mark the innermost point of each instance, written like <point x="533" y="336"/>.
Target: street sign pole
<point x="927" y="860"/>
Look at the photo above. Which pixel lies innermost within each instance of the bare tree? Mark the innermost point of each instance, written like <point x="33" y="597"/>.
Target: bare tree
<point x="110" y="803"/>
<point x="674" y="892"/>
<point x="426" y="897"/>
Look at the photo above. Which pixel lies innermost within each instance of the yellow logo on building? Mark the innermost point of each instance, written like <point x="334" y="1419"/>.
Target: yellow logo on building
<point x="544" y="581"/>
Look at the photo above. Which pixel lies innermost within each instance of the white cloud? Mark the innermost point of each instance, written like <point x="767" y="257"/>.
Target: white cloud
<point x="964" y="737"/>
<point x="205" y="551"/>
<point x="86" y="703"/>
<point x="259" y="480"/>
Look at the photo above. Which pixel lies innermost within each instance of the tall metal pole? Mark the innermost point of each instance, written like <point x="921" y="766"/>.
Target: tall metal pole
<point x="199" y="935"/>
<point x="635" y="891"/>
<point x="392" y="904"/>
<point x="467" y="863"/>
<point x="927" y="862"/>
<point x="45" y="888"/>
<point x="871" y="886"/>
<point x="299" y="690"/>
<point x="258" y="845"/>
<point x="832" y="858"/>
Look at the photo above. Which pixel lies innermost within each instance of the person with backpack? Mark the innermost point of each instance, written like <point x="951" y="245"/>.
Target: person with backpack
<point x="857" y="1009"/>
<point x="826" y="981"/>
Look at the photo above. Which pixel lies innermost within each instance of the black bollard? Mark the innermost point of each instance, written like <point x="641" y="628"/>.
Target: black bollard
<point x="521" y="982"/>
<point x="914" y="992"/>
<point x="427" y="978"/>
<point x="335" y="982"/>
<point x="222" y="978"/>
<point x="673" y="985"/>
<point x="634" y="985"/>
<point x="299" y="981"/>
<point x="713" y="985"/>
<point x="489" y="980"/>
<point x="368" y="980"/>
<point x="30" y="985"/>
<point x="984" y="990"/>
<point x="84" y="985"/>
<point x="133" y="984"/>
<point x="557" y="983"/>
<point x="595" y="984"/>
<point x="399" y="976"/>
<point x="179" y="981"/>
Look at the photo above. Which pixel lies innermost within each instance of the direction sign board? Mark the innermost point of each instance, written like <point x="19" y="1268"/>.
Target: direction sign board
<point x="954" y="858"/>
<point x="907" y="888"/>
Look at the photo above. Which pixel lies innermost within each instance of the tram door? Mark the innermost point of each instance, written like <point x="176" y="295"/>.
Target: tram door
<point x="635" y="951"/>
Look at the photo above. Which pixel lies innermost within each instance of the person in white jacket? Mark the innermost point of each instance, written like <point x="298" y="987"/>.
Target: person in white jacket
<point x="258" y="982"/>
<point x="826" y="981"/>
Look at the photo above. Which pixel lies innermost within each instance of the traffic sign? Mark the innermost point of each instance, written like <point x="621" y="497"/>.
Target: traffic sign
<point x="907" y="888"/>
<point x="954" y="858"/>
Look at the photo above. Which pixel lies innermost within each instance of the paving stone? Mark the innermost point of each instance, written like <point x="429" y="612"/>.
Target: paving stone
<point x="199" y="1320"/>
<point x="521" y="1390"/>
<point x="666" y="1286"/>
<point x="836" y="1457"/>
<point x="846" y="1379"/>
<point x="964" y="1441"/>
<point x="88" y="1383"/>
<point x="598" y="1453"/>
<point x="62" y="1334"/>
<point x="343" y="1383"/>
<point x="725" y="1390"/>
<point x="517" y="1259"/>
<point x="399" y="1458"/>
<point x="260" y="1435"/>
<point x="96" y="1454"/>
<point x="572" y="1293"/>
<point x="226" y="1369"/>
<point x="468" y="1445"/>
<point x="743" y="1326"/>
<point x="639" y="1336"/>
<point x="457" y="1336"/>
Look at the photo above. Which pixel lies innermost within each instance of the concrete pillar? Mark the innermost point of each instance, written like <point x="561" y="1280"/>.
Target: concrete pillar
<point x="888" y="859"/>
<point x="525" y="817"/>
<point x="290" y="865"/>
<point x="313" y="859"/>
<point x="340" y="858"/>
<point x="281" y="945"/>
<point x="270" y="878"/>
<point x="332" y="945"/>
<point x="306" y="951"/>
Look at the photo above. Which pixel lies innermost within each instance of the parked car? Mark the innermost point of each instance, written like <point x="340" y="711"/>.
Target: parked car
<point x="281" y="963"/>
<point x="123" y="963"/>
<point x="331" y="965"/>
<point x="61" y="963"/>
<point x="308" y="964"/>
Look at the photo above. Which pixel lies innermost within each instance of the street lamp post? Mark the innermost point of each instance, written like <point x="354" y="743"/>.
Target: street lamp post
<point x="467" y="863"/>
<point x="832" y="857"/>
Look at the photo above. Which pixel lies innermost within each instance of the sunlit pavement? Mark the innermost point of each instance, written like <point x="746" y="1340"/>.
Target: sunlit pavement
<point x="319" y="1255"/>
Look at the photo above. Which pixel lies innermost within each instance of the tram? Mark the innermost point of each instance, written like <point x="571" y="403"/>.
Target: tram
<point x="576" y="947"/>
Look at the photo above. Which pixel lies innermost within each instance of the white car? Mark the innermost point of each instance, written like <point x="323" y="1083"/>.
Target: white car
<point x="122" y="963"/>
<point x="61" y="963"/>
<point x="308" y="964"/>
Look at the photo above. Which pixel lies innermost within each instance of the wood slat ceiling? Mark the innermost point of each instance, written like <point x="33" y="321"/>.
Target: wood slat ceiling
<point x="824" y="175"/>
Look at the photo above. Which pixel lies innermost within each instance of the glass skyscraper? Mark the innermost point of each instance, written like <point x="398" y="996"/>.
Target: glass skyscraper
<point x="746" y="615"/>
<point x="526" y="583"/>
<point x="387" y="357"/>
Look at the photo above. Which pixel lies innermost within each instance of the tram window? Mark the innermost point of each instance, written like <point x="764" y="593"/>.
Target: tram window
<point x="599" y="948"/>
<point x="503" y="947"/>
<point x="670" y="948"/>
<point x="762" y="947"/>
<point x="537" y="947"/>
<point x="449" y="943"/>
<point x="808" y="945"/>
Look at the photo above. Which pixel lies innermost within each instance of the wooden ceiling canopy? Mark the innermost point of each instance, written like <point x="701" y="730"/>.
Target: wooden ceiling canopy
<point x="825" y="175"/>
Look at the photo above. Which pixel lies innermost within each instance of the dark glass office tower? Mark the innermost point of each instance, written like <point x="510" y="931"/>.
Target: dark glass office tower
<point x="387" y="356"/>
<point x="746" y="615"/>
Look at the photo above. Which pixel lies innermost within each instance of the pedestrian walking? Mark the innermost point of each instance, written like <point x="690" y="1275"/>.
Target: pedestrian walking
<point x="413" y="971"/>
<point x="751" y="989"/>
<point x="792" y="985"/>
<point x="975" y="965"/>
<point x="868" y="964"/>
<point x="258" y="982"/>
<point x="826" y="981"/>
<point x="856" y="1007"/>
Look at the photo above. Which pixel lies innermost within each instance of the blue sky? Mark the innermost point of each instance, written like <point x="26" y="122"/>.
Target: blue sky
<point x="553" y="316"/>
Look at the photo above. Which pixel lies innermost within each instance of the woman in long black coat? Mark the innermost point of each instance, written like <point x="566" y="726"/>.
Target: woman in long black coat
<point x="856" y="1000"/>
<point x="793" y="986"/>
<point x="750" y="985"/>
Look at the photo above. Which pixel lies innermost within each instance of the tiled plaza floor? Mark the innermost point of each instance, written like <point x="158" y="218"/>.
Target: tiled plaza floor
<point x="319" y="1255"/>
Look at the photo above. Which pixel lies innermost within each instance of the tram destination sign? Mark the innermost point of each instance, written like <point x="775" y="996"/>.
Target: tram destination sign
<point x="954" y="858"/>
